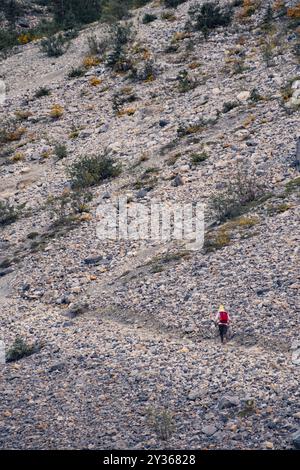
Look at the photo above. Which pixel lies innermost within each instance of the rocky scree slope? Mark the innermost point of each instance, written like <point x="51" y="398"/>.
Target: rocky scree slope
<point x="128" y="355"/>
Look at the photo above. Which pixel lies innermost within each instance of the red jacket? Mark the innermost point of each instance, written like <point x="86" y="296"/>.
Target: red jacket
<point x="218" y="318"/>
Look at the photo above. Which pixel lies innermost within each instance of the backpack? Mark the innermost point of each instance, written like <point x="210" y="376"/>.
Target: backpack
<point x="223" y="317"/>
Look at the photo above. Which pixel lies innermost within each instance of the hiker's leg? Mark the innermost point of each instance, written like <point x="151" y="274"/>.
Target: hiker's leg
<point x="221" y="332"/>
<point x="225" y="332"/>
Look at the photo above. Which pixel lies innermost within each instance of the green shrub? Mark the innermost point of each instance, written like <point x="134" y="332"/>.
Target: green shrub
<point x="185" y="129"/>
<point x="115" y="10"/>
<point x="209" y="16"/>
<point x="12" y="10"/>
<point x="64" y="209"/>
<point x="149" y="18"/>
<point x="32" y="235"/>
<point x="173" y="3"/>
<point x="90" y="171"/>
<point x="147" y="73"/>
<point x="8" y="213"/>
<point x="8" y="39"/>
<point x="71" y="12"/>
<point x="293" y="185"/>
<point x="20" y="349"/>
<point x="268" y="18"/>
<point x="197" y="158"/>
<point x="237" y="195"/>
<point x="55" y="46"/>
<point x="185" y="83"/>
<point x="216" y="240"/>
<point x="76" y="72"/>
<point x="255" y="95"/>
<point x="229" y="105"/>
<point x="96" y="46"/>
<point x="162" y="421"/>
<point x="42" y="91"/>
<point x="60" y="151"/>
<point x="117" y="59"/>
<point x="122" y="97"/>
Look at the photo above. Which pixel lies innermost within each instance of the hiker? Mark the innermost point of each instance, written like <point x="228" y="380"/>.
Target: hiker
<point x="223" y="319"/>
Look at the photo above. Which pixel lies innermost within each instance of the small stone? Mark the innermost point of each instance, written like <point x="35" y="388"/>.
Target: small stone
<point x="228" y="402"/>
<point x="243" y="96"/>
<point x="296" y="84"/>
<point x="57" y="367"/>
<point x="209" y="430"/>
<point x="76" y="310"/>
<point x="269" y="445"/>
<point x="178" y="181"/>
<point x="142" y="193"/>
<point x="94" y="260"/>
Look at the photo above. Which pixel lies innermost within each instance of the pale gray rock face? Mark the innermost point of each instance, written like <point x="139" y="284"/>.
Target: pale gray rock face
<point x="131" y="356"/>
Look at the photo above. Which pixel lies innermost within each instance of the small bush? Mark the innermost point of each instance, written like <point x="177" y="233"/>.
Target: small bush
<point x="147" y="73"/>
<point x="73" y="12"/>
<point x="173" y="3"/>
<point x="162" y="421"/>
<point x="294" y="12"/>
<point x="18" y="157"/>
<point x="95" y="81"/>
<point x="90" y="61"/>
<point x="149" y="18"/>
<point x="189" y="129"/>
<point x="216" y="240"/>
<point x="96" y="46"/>
<point x="22" y="115"/>
<point x="209" y="16"/>
<point x="91" y="171"/>
<point x="56" y="111"/>
<point x="11" y="133"/>
<point x="222" y="236"/>
<point x="268" y="18"/>
<point x="8" y="39"/>
<point x="8" y="214"/>
<point x="115" y="10"/>
<point x="117" y="59"/>
<point x="293" y="185"/>
<point x="267" y="52"/>
<point x="55" y="46"/>
<point x="197" y="158"/>
<point x="185" y="83"/>
<point x="76" y="72"/>
<point x="229" y="105"/>
<point x="68" y="208"/>
<point x="255" y="96"/>
<point x="60" y="151"/>
<point x="168" y="15"/>
<point x="122" y="97"/>
<point x="42" y="91"/>
<point x="20" y="349"/>
<point x="238" y="193"/>
<point x="249" y="8"/>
